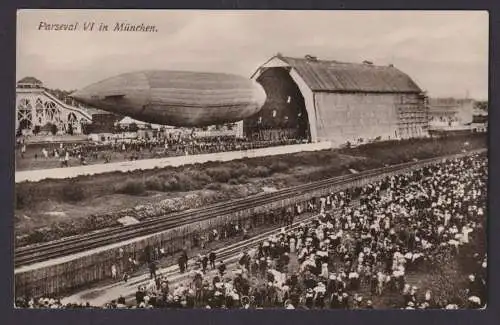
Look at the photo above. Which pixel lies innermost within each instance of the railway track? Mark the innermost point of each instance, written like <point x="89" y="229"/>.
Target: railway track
<point x="42" y="252"/>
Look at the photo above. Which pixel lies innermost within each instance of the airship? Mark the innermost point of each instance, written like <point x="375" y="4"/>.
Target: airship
<point x="176" y="98"/>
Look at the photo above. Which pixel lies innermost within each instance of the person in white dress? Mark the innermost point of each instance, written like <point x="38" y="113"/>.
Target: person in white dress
<point x="114" y="272"/>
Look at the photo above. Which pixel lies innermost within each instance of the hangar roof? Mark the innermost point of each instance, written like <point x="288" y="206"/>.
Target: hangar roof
<point x="334" y="76"/>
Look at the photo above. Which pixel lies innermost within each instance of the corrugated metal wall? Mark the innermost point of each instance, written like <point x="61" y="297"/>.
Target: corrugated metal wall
<point x="349" y="117"/>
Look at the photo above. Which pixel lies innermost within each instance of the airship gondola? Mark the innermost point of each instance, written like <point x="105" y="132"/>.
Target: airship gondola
<point x="177" y="98"/>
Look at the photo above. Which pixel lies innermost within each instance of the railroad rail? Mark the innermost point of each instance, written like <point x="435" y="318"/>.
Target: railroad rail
<point x="67" y="246"/>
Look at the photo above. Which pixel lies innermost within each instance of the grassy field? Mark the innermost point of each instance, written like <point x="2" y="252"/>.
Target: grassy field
<point x="52" y="209"/>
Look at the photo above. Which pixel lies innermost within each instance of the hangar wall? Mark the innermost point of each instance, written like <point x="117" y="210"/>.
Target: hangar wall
<point x="350" y="117"/>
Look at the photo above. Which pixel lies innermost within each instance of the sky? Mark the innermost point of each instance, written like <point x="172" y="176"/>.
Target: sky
<point x="445" y="52"/>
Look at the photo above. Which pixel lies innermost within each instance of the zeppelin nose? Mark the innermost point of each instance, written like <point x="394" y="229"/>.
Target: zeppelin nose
<point x="259" y="95"/>
<point x="120" y="94"/>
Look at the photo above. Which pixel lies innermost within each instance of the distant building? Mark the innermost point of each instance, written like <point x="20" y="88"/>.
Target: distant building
<point x="451" y="116"/>
<point x="40" y="111"/>
<point x="450" y="111"/>
<point x="102" y="122"/>
<point x="480" y="117"/>
<point x="126" y="122"/>
<point x="334" y="101"/>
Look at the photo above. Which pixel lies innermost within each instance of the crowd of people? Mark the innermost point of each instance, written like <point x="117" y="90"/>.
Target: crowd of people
<point x="141" y="148"/>
<point x="350" y="255"/>
<point x="348" y="258"/>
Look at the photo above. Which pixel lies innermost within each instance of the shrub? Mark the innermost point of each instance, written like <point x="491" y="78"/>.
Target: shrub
<point x="154" y="183"/>
<point x="238" y="169"/>
<point x="19" y="203"/>
<point x="201" y="176"/>
<point x="242" y="179"/>
<point x="186" y="182"/>
<point x="131" y="186"/>
<point x="279" y="166"/>
<point x="34" y="237"/>
<point x="219" y="174"/>
<point x="72" y="192"/>
<point x="213" y="186"/>
<point x="260" y="171"/>
<point x="171" y="184"/>
<point x="233" y="181"/>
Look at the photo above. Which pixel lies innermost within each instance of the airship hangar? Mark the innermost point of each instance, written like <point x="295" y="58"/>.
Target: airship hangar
<point x="326" y="100"/>
<point x="305" y="98"/>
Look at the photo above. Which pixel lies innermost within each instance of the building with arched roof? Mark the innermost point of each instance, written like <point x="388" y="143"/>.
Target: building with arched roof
<point x="325" y="100"/>
<point x="39" y="110"/>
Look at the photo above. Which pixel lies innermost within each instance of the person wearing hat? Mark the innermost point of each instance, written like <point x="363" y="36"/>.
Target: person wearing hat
<point x="334" y="300"/>
<point x="410" y="305"/>
<point x="372" y="278"/>
<point x="221" y="268"/>
<point x="357" y="302"/>
<point x="139" y="295"/>
<point x="288" y="304"/>
<point x="245" y="302"/>
<point x="204" y="262"/>
<point x="354" y="280"/>
<point x="309" y="298"/>
<point x="319" y="295"/>
<point x="344" y="302"/>
<point x="476" y="287"/>
<point x="212" y="257"/>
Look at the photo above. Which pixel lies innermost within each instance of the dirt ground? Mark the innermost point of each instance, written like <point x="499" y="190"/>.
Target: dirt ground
<point x="29" y="162"/>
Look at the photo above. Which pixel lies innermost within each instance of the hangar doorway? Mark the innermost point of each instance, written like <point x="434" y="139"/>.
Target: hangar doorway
<point x="284" y="114"/>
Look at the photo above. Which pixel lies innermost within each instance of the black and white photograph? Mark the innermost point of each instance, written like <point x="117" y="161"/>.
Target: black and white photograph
<point x="251" y="159"/>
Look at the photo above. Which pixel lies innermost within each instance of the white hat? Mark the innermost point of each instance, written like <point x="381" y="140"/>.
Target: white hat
<point x="475" y="299"/>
